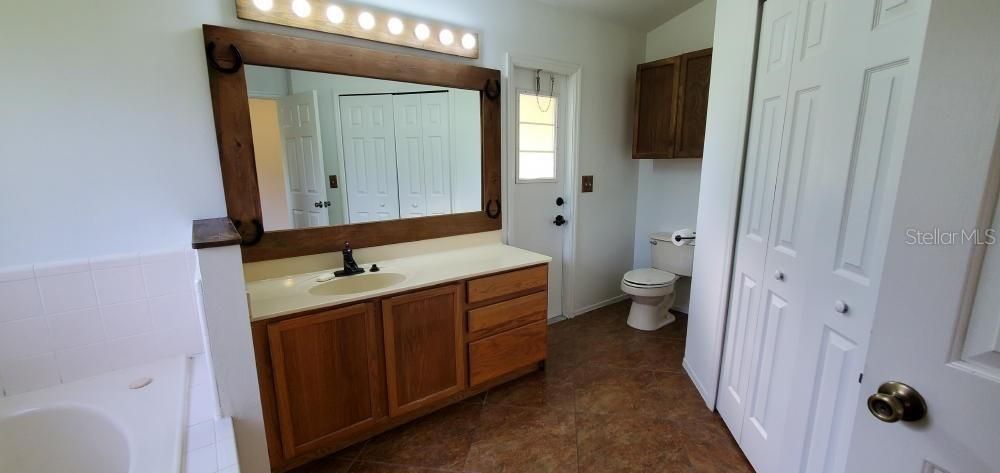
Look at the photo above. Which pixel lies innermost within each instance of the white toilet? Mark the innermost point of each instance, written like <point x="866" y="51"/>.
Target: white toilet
<point x="652" y="289"/>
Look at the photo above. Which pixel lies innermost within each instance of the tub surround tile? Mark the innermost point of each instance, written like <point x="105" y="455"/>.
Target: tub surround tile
<point x="202" y="460"/>
<point x="76" y="329"/>
<point x="200" y="436"/>
<point x="17" y="273"/>
<point x="120" y="284"/>
<point x="115" y="261"/>
<point x="127" y="319"/>
<point x="24" y="338"/>
<point x="96" y="315"/>
<point x="29" y="374"/>
<point x="66" y="292"/>
<point x="20" y="300"/>
<point x="61" y="267"/>
<point x="83" y="362"/>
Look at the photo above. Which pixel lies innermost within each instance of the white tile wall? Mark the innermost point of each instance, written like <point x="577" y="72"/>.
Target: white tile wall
<point x="210" y="443"/>
<point x="64" y="321"/>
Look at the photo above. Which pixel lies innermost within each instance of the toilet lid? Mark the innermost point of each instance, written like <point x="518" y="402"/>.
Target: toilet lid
<point x="649" y="277"/>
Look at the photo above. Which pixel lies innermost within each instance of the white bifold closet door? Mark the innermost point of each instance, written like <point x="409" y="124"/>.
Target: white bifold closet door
<point x="397" y="155"/>
<point x="423" y="154"/>
<point x="831" y="104"/>
<point x="369" y="135"/>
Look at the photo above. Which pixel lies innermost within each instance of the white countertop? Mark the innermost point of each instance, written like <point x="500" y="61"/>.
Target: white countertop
<point x="291" y="294"/>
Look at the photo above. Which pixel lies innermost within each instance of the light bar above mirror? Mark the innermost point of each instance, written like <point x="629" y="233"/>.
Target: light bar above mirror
<point x="362" y="21"/>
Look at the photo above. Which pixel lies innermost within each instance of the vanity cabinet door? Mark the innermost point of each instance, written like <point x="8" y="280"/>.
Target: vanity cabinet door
<point x="424" y="348"/>
<point x="327" y="376"/>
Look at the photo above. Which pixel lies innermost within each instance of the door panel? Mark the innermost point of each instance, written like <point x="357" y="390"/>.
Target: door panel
<point x="745" y="360"/>
<point x="424" y="347"/>
<point x="936" y="312"/>
<point x="534" y="202"/>
<point x="327" y="376"/>
<point x="368" y="131"/>
<point x="423" y="145"/>
<point x="298" y="118"/>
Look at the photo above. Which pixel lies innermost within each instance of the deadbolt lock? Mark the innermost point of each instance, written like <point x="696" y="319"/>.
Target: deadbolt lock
<point x="895" y="402"/>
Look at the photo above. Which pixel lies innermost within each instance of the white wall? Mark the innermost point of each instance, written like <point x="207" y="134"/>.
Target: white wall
<point x="667" y="198"/>
<point x="722" y="166"/>
<point x="123" y="157"/>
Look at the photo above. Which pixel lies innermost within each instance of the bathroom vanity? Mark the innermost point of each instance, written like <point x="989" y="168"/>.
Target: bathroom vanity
<point x="322" y="144"/>
<point x="341" y="360"/>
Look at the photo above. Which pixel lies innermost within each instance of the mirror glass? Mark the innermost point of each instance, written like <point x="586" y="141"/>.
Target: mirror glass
<point x="334" y="150"/>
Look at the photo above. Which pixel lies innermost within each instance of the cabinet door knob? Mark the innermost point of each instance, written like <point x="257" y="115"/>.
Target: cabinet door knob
<point x="840" y="306"/>
<point x="780" y="276"/>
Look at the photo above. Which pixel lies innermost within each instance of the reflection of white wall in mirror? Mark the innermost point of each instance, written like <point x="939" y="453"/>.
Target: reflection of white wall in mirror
<point x="270" y="164"/>
<point x="466" y="163"/>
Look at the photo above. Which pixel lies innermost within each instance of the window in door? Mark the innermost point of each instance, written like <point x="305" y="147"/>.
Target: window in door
<point x="536" y="137"/>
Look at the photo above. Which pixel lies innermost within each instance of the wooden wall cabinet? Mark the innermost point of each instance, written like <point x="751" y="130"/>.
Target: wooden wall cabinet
<point x="333" y="377"/>
<point x="671" y="104"/>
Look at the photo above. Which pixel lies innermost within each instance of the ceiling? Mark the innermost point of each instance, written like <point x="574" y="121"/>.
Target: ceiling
<point x="642" y="15"/>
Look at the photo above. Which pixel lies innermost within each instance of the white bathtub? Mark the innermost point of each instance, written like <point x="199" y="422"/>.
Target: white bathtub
<point x="99" y="424"/>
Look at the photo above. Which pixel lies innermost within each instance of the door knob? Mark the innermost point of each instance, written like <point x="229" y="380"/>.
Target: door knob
<point x="840" y="306"/>
<point x="895" y="402"/>
<point x="559" y="221"/>
<point x="780" y="276"/>
<point x="318" y="205"/>
<point x="560" y="201"/>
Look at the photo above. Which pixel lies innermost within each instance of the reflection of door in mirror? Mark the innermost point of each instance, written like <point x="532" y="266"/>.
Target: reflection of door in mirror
<point x="298" y="117"/>
<point x="389" y="149"/>
<point x="397" y="142"/>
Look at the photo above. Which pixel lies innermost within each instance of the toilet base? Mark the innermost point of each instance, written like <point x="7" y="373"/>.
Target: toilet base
<point x="651" y="313"/>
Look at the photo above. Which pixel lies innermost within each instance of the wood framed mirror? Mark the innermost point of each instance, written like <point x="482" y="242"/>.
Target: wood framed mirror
<point x="468" y="95"/>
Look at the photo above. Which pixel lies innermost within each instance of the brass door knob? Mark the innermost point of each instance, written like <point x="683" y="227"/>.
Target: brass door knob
<point x="895" y="402"/>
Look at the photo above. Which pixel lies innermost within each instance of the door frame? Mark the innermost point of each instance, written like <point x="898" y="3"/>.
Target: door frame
<point x="574" y="77"/>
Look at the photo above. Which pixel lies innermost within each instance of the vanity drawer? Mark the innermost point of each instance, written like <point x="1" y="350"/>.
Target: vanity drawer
<point x="506" y="284"/>
<point x="507" y="352"/>
<point x="508" y="314"/>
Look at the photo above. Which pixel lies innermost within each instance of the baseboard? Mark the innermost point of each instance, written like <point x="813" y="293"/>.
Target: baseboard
<point x="709" y="401"/>
<point x="558" y="318"/>
<point x="604" y="303"/>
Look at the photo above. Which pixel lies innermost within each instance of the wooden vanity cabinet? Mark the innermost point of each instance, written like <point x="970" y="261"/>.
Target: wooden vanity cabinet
<point x="424" y="345"/>
<point x="333" y="377"/>
<point x="671" y="105"/>
<point x="327" y="376"/>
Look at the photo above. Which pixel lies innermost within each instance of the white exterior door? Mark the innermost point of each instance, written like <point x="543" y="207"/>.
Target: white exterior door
<point x="937" y="327"/>
<point x="538" y="161"/>
<point x="369" y="148"/>
<point x="423" y="153"/>
<point x="298" y="117"/>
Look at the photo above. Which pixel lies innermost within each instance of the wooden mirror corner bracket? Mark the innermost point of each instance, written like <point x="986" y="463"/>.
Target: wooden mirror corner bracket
<point x="228" y="49"/>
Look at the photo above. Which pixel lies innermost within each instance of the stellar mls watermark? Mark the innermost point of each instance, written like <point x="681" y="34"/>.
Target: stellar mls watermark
<point x="937" y="236"/>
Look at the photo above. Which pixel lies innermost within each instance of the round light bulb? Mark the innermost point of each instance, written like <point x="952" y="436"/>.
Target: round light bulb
<point x="366" y="20"/>
<point x="468" y="41"/>
<point x="422" y="32"/>
<point x="301" y="8"/>
<point x="446" y="37"/>
<point x="263" y="5"/>
<point x="335" y="14"/>
<point x="395" y="25"/>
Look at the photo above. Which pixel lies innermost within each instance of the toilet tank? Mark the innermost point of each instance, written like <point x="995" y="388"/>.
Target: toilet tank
<point x="667" y="256"/>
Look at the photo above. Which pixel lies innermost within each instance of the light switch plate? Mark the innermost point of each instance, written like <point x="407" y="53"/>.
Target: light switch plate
<point x="588" y="183"/>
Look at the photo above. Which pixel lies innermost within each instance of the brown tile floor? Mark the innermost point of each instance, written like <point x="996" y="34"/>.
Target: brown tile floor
<point x="612" y="399"/>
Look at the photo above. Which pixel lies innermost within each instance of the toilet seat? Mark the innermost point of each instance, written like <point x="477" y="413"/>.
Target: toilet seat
<point x="648" y="278"/>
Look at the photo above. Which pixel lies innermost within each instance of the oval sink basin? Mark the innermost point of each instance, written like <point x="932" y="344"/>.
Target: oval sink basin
<point x="355" y="284"/>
